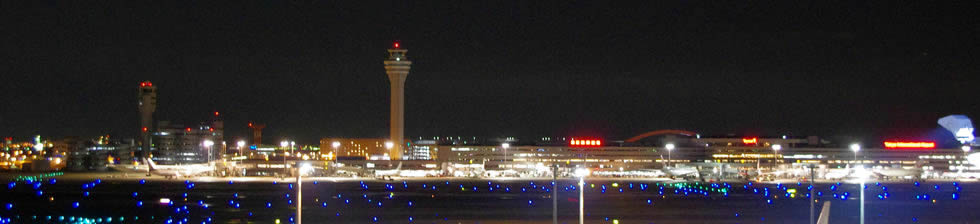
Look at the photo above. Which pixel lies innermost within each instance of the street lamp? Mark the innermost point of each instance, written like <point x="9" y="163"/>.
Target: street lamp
<point x="775" y="154"/>
<point x="208" y="145"/>
<point x="283" y="144"/>
<point x="581" y="173"/>
<point x="241" y="144"/>
<point x="505" y="146"/>
<point x="335" y="145"/>
<point x="299" y="190"/>
<point x="292" y="144"/>
<point x="966" y="149"/>
<point x="670" y="147"/>
<point x="862" y="175"/>
<point x="388" y="146"/>
<point x="856" y="148"/>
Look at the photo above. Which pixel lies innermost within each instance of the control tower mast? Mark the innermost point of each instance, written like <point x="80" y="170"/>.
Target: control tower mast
<point x="256" y="133"/>
<point x="397" y="66"/>
<point x="147" y="97"/>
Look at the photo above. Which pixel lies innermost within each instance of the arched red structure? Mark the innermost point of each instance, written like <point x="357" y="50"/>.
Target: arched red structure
<point x="660" y="132"/>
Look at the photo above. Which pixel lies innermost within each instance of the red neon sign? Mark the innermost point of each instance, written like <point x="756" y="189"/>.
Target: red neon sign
<point x="909" y="145"/>
<point x="586" y="142"/>
<point x="748" y="141"/>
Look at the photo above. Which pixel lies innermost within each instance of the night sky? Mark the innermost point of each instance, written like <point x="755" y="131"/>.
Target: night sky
<point x="313" y="69"/>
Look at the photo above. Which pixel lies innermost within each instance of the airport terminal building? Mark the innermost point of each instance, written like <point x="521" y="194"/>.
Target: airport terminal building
<point x="729" y="156"/>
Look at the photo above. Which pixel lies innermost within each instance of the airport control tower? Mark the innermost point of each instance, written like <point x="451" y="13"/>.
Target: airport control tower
<point x="397" y="66"/>
<point x="147" y="96"/>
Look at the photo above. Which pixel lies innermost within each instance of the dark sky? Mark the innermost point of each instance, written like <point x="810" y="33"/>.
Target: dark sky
<point x="611" y="69"/>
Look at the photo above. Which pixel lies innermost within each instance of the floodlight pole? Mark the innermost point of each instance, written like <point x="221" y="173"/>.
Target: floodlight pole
<point x="299" y="196"/>
<point x="862" y="201"/>
<point x="812" y="185"/>
<point x="554" y="194"/>
<point x="581" y="199"/>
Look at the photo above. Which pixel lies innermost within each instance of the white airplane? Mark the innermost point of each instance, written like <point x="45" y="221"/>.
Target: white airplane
<point x="681" y="171"/>
<point x="898" y="172"/>
<point x="392" y="172"/>
<point x="652" y="172"/>
<point x="837" y="173"/>
<point x="178" y="170"/>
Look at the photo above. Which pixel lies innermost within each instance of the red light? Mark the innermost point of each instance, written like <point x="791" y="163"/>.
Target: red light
<point x="747" y="141"/>
<point x="909" y="145"/>
<point x="397" y="45"/>
<point x="211" y="129"/>
<point x="146" y="84"/>
<point x="215" y="113"/>
<point x="188" y="129"/>
<point x="250" y="124"/>
<point x="145" y="129"/>
<point x="589" y="142"/>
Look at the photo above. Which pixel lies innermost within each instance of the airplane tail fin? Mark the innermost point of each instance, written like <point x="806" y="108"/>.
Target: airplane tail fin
<point x="149" y="162"/>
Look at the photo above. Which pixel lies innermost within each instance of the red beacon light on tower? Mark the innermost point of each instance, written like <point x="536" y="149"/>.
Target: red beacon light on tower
<point x="146" y="84"/>
<point x="397" y="45"/>
<point x="585" y="142"/>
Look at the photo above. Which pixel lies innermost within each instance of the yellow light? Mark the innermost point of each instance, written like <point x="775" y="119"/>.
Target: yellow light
<point x="615" y="221"/>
